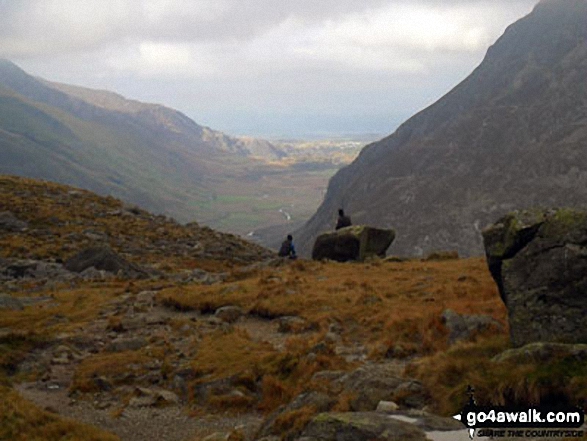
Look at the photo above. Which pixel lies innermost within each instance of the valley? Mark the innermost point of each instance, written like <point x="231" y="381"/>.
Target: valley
<point x="269" y="198"/>
<point x="142" y="297"/>
<point x="161" y="160"/>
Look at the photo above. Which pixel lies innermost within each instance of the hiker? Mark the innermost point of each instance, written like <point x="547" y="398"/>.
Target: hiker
<point x="343" y="220"/>
<point x="287" y="248"/>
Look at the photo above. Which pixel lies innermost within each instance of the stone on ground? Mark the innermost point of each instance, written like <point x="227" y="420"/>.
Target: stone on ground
<point x="353" y="243"/>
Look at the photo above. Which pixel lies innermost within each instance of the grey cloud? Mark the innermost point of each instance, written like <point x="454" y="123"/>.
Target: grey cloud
<point x="258" y="66"/>
<point x="30" y="27"/>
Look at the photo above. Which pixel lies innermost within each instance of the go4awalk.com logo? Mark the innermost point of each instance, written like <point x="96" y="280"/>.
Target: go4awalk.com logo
<point x="520" y="422"/>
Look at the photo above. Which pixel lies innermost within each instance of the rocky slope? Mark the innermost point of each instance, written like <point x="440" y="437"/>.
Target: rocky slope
<point x="195" y="335"/>
<point x="511" y="135"/>
<point x="42" y="221"/>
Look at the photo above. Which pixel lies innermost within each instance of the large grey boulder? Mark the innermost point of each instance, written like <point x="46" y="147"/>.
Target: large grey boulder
<point x="103" y="258"/>
<point x="542" y="353"/>
<point x="316" y="400"/>
<point x="538" y="259"/>
<point x="353" y="243"/>
<point x="360" y="426"/>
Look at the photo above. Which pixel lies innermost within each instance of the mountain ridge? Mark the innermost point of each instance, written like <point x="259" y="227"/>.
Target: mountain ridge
<point x="147" y="154"/>
<point x="483" y="149"/>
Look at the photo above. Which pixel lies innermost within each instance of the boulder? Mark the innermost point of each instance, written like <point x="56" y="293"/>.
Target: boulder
<point x="103" y="258"/>
<point x="360" y="426"/>
<point x="371" y="384"/>
<point x="538" y="258"/>
<point x="387" y="407"/>
<point x="295" y="325"/>
<point x="318" y="401"/>
<point x="32" y="269"/>
<point x="126" y="344"/>
<point x="353" y="243"/>
<point x="542" y="353"/>
<point x="229" y="314"/>
<point x="10" y="223"/>
<point x="464" y="327"/>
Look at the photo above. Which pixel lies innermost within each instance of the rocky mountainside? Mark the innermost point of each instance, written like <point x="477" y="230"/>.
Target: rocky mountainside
<point x="116" y="324"/>
<point x="511" y="135"/>
<point x="144" y="153"/>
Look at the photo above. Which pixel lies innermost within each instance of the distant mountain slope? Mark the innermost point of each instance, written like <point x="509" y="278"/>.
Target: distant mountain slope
<point x="511" y="135"/>
<point x="144" y="153"/>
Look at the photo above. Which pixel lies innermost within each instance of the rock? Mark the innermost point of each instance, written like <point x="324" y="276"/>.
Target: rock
<point x="387" y="406"/>
<point x="360" y="426"/>
<point x="12" y="303"/>
<point x="229" y="314"/>
<point x="430" y="422"/>
<point x="539" y="260"/>
<point x="103" y="384"/>
<point x="103" y="258"/>
<point x="126" y="344"/>
<point x="152" y="397"/>
<point x="539" y="353"/>
<point x="167" y="397"/>
<point x="317" y="400"/>
<point x="142" y="401"/>
<point x="217" y="436"/>
<point x="370" y="385"/>
<point x="295" y="325"/>
<point x="411" y="394"/>
<point x="10" y="223"/>
<point x="442" y="255"/>
<point x="352" y="243"/>
<point x="464" y="327"/>
<point x="32" y="269"/>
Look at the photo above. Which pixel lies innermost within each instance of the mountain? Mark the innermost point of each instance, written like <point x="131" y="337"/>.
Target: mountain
<point x="511" y="135"/>
<point x="143" y="153"/>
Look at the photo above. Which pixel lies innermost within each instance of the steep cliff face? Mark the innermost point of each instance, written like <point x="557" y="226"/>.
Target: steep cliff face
<point x="511" y="135"/>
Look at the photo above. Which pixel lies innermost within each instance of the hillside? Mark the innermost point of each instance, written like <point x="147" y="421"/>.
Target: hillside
<point x="214" y="338"/>
<point x="511" y="135"/>
<point x="58" y="221"/>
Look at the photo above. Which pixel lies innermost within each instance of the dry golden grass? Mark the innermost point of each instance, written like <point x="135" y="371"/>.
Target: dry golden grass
<point x="114" y="367"/>
<point x="65" y="214"/>
<point x="448" y="374"/>
<point x="69" y="309"/>
<point x="259" y="369"/>
<point x="387" y="305"/>
<point x="291" y="424"/>
<point x="22" y="421"/>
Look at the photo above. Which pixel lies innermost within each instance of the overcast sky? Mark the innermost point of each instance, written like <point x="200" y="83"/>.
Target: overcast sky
<point x="262" y="67"/>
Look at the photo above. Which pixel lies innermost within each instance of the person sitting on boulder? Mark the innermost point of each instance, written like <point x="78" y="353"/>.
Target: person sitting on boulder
<point x="343" y="220"/>
<point x="287" y="248"/>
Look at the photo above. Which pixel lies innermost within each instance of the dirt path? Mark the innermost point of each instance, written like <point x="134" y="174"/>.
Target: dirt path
<point x="143" y="423"/>
<point x="170" y="423"/>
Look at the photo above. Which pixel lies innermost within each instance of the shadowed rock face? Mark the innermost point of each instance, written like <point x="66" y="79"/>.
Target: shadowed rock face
<point x="103" y="258"/>
<point x="510" y="136"/>
<point x="353" y="243"/>
<point x="539" y="262"/>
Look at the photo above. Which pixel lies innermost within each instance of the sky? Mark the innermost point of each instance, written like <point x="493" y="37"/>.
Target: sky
<point x="265" y="68"/>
